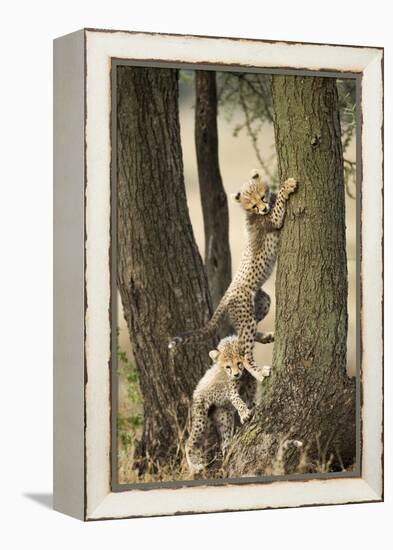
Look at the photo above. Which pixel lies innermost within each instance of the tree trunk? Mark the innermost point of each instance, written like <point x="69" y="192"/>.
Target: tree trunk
<point x="213" y="196"/>
<point x="161" y="277"/>
<point x="309" y="397"/>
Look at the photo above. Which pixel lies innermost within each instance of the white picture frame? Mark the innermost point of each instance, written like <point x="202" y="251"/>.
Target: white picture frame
<point x="82" y="335"/>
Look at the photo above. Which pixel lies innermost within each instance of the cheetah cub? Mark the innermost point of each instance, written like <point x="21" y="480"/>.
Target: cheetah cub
<point x="226" y="386"/>
<point x="245" y="301"/>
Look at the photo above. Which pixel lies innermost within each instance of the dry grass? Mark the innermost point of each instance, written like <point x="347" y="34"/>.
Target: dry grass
<point x="129" y="429"/>
<point x="177" y="469"/>
<point x="307" y="462"/>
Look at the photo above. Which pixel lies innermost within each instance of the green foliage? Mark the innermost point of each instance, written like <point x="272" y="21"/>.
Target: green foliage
<point x="186" y="76"/>
<point x="347" y="105"/>
<point x="127" y="427"/>
<point x="128" y="371"/>
<point x="129" y="424"/>
<point x="186" y="84"/>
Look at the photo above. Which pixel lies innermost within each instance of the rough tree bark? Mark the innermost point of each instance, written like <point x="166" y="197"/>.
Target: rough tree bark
<point x="309" y="397"/>
<point x="213" y="196"/>
<point x="161" y="277"/>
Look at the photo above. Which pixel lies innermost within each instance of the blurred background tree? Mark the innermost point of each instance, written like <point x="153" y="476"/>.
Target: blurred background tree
<point x="212" y="193"/>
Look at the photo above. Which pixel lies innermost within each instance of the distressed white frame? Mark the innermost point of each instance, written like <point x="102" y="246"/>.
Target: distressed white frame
<point x="100" y="48"/>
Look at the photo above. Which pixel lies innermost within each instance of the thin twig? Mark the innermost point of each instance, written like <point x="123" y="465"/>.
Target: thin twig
<point x="250" y="131"/>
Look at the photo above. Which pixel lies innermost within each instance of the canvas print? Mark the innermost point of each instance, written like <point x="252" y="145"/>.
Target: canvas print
<point x="235" y="275"/>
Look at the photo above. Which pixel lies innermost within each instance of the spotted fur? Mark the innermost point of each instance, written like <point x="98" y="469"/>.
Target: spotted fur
<point x="224" y="388"/>
<point x="245" y="301"/>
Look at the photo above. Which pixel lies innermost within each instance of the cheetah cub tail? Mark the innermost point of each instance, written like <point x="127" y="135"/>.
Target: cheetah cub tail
<point x="200" y="335"/>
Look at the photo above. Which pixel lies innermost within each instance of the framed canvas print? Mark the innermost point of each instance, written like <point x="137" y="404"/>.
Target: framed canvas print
<point x="218" y="274"/>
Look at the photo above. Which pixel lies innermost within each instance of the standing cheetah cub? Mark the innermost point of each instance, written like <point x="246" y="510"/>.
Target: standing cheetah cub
<point x="245" y="301"/>
<point x="223" y="388"/>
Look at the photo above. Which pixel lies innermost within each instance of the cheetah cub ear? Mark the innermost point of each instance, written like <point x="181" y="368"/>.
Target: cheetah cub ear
<point x="213" y="354"/>
<point x="236" y="197"/>
<point x="255" y="175"/>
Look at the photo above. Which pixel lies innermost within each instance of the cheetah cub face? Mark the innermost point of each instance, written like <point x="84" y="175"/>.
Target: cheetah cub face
<point x="254" y="196"/>
<point x="228" y="357"/>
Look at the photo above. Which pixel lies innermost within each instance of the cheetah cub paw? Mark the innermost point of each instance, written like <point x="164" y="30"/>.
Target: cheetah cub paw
<point x="289" y="186"/>
<point x="265" y="338"/>
<point x="194" y="460"/>
<point x="260" y="373"/>
<point x="245" y="416"/>
<point x="266" y="370"/>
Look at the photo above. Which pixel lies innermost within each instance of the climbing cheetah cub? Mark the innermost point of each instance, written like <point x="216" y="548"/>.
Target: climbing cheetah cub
<point x="245" y="301"/>
<point x="226" y="386"/>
